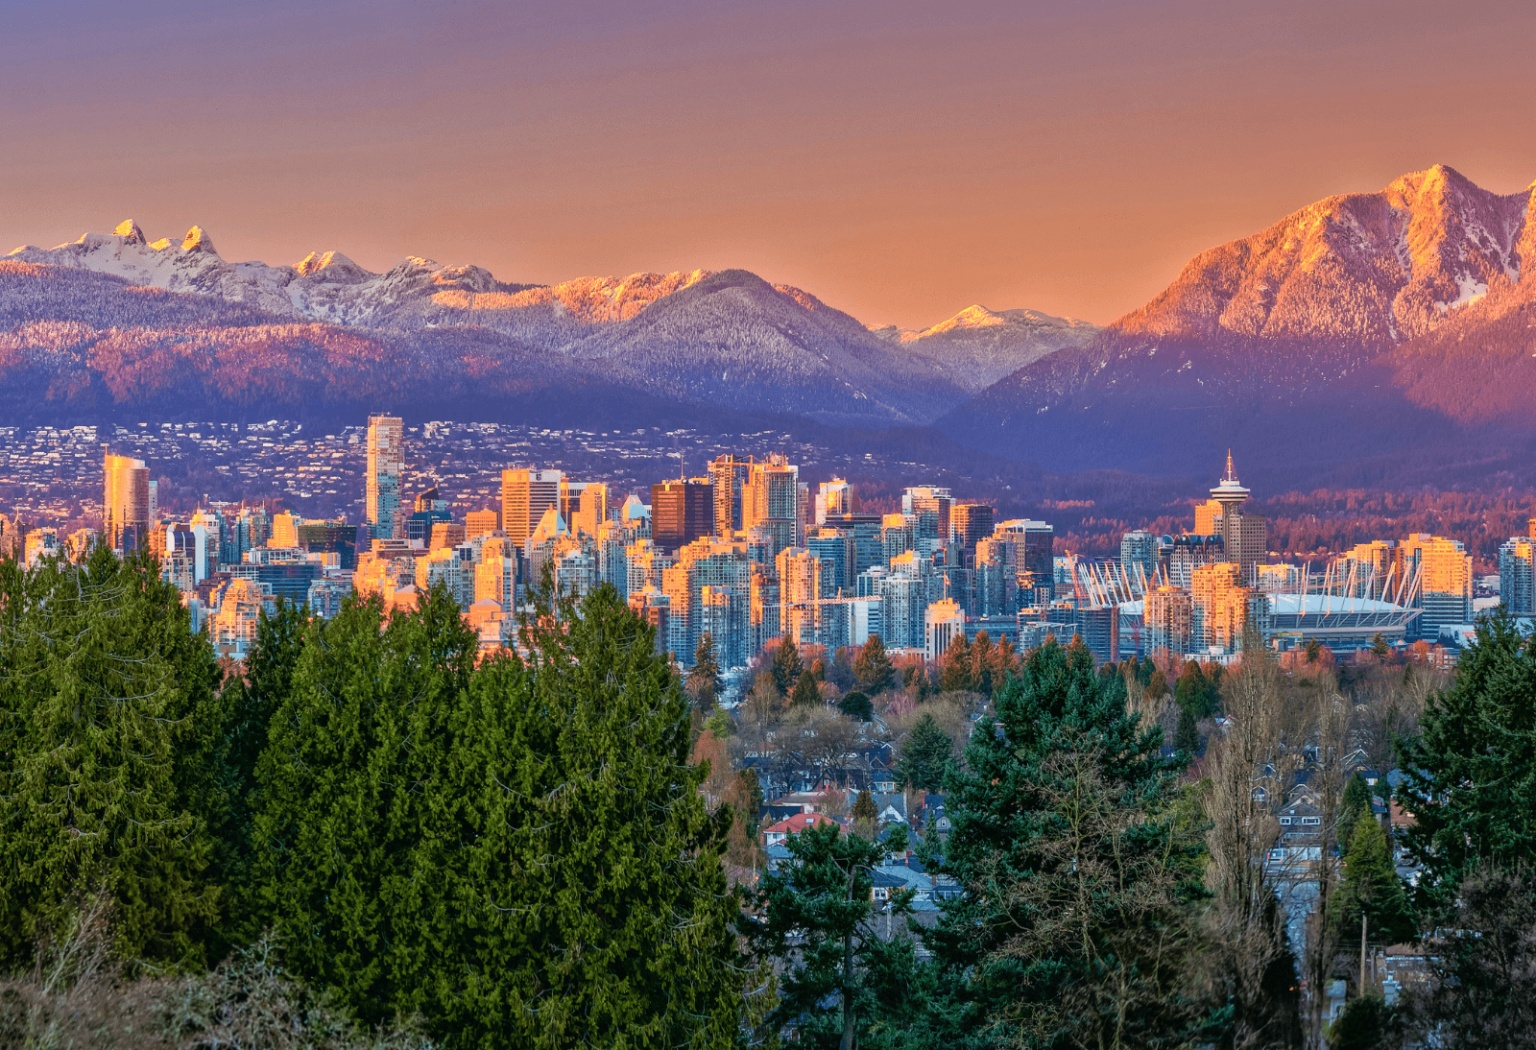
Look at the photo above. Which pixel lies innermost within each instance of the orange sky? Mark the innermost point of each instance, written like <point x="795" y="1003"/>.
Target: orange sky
<point x="900" y="160"/>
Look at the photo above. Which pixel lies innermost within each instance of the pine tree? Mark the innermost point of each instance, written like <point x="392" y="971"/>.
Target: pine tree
<point x="805" y="694"/>
<point x="872" y="668"/>
<point x="981" y="663"/>
<point x="1379" y="646"/>
<point x="1186" y="739"/>
<point x="786" y="665"/>
<point x="864" y="815"/>
<point x="1471" y="772"/>
<point x="924" y="755"/>
<point x="815" y="920"/>
<point x="857" y="705"/>
<point x="955" y="666"/>
<point x="1354" y="806"/>
<point x="111" y="776"/>
<point x="1371" y="886"/>
<point x="1195" y="691"/>
<point x="1077" y="926"/>
<point x="704" y="678"/>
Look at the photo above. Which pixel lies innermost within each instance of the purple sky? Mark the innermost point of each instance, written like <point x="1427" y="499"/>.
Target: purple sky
<point x="900" y="160"/>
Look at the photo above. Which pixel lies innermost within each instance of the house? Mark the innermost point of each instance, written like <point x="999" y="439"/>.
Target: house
<point x="775" y="834"/>
<point x="1299" y="819"/>
<point x="935" y="822"/>
<point x="891" y="806"/>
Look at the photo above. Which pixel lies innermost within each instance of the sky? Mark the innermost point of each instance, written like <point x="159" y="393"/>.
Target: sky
<point x="899" y="160"/>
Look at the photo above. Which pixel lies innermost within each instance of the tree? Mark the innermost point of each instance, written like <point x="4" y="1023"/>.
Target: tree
<point x="815" y="918"/>
<point x="1186" y="740"/>
<point x="1197" y="692"/>
<point x="864" y="815"/>
<point x="704" y="678"/>
<point x="518" y="852"/>
<point x="1354" y="807"/>
<point x="924" y="755"/>
<point x="857" y="705"/>
<point x="1484" y="965"/>
<point x="806" y="694"/>
<point x="1471" y="773"/>
<point x="1373" y="890"/>
<point x="981" y="663"/>
<point x="1380" y="647"/>
<point x="955" y="666"/>
<point x="786" y="665"/>
<point x="113" y="780"/>
<point x="1078" y="926"/>
<point x="872" y="668"/>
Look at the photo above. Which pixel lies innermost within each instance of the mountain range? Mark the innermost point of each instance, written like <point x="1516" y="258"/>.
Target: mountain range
<point x="1370" y="338"/>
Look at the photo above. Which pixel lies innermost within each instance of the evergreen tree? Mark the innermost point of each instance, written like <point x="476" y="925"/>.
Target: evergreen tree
<point x="1186" y="738"/>
<point x="816" y="920"/>
<point x="704" y="678"/>
<point x="857" y="705"/>
<point x="786" y="665"/>
<point x="1371" y="887"/>
<point x="955" y="666"/>
<point x="1379" y="646"/>
<point x="1077" y="927"/>
<point x="981" y="663"/>
<point x="1196" y="692"/>
<point x="805" y="694"/>
<point x="1354" y="806"/>
<point x="864" y="815"/>
<point x="112" y="779"/>
<point x="1471" y="773"/>
<point x="924" y="755"/>
<point x="819" y="669"/>
<point x="518" y="852"/>
<point x="872" y="668"/>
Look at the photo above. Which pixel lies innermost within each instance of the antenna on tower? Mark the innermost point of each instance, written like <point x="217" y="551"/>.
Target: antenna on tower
<point x="1231" y="474"/>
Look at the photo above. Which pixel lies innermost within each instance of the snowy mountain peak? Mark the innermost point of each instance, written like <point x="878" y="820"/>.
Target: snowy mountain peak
<point x="333" y="267"/>
<point x="129" y="231"/>
<point x="197" y="240"/>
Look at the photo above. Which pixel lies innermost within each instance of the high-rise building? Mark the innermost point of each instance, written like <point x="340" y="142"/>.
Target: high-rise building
<point x="800" y="589"/>
<point x="481" y="522"/>
<point x="125" y="503"/>
<point x="1138" y="558"/>
<point x="971" y="522"/>
<point x="770" y="500"/>
<point x="929" y="507"/>
<point x="526" y="493"/>
<point x="1517" y="576"/>
<point x="1167" y="621"/>
<point x="728" y="476"/>
<point x="1245" y="536"/>
<point x="945" y="622"/>
<point x="386" y="468"/>
<point x="1220" y="607"/>
<point x="681" y="512"/>
<point x="833" y="498"/>
<point x="1444" y="571"/>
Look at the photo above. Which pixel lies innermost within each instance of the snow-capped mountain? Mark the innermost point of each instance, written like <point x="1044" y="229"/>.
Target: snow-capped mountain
<point x="977" y="347"/>
<point x="1303" y="346"/>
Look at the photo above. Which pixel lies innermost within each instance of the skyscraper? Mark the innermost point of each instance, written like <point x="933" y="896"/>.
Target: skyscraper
<point x="971" y="522"/>
<point x="728" y="475"/>
<point x="770" y="500"/>
<point x="125" y="503"/>
<point x="681" y="512"/>
<point x="526" y="493"/>
<point x="1244" y="536"/>
<point x="386" y="464"/>
<point x="1138" y="558"/>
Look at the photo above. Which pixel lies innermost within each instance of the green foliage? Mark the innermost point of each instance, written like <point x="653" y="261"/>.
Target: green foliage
<point x="1371" y="886"/>
<point x="786" y="665"/>
<point x="955" y="666"/>
<point x="816" y="920"/>
<point x="1197" y="692"/>
<point x="1079" y="924"/>
<point x="112" y="774"/>
<point x="805" y="694"/>
<point x="872" y="668"/>
<point x="1471" y="773"/>
<point x="1367" y="1023"/>
<point x="519" y="853"/>
<point x="864" y="814"/>
<point x="1354" y="806"/>
<point x="981" y="663"/>
<point x="925" y="754"/>
<point x="857" y="705"/>
<point x="1186" y="737"/>
<point x="704" y="677"/>
<point x="1379" y="645"/>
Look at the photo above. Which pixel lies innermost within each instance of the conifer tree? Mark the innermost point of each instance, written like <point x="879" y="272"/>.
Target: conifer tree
<point x="805" y="694"/>
<point x="111" y="776"/>
<point x="787" y="667"/>
<point x="1371" y="887"/>
<point x="981" y="663"/>
<point x="864" y="815"/>
<point x="924" y="755"/>
<point x="1186" y="738"/>
<point x="1354" y="806"/>
<point x="704" y="677"/>
<point x="857" y="705"/>
<point x="872" y="668"/>
<point x="955" y="666"/>
<point x="1077" y="926"/>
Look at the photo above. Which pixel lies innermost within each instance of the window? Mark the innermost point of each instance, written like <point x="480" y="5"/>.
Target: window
<point x="1311" y="821"/>
<point x="1285" y="820"/>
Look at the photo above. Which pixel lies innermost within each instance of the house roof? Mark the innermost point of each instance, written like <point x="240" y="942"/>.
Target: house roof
<point x="799" y="822"/>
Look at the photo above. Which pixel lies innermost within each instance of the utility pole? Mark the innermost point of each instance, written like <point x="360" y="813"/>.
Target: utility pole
<point x="1362" y="951"/>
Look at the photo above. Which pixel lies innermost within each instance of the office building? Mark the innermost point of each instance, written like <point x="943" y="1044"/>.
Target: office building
<point x="385" y="472"/>
<point x="928" y="506"/>
<point x="1444" y="571"/>
<point x="681" y="512"/>
<point x="1219" y="607"/>
<point x="1517" y="576"/>
<point x="481" y="522"/>
<point x="526" y="493"/>
<point x="125" y="503"/>
<point x="970" y="522"/>
<point x="1138" y="559"/>
<point x="833" y="498"/>
<point x="945" y="623"/>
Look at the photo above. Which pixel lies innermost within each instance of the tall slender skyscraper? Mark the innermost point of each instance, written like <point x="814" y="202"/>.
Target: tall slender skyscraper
<point x="386" y="464"/>
<point x="728" y="474"/>
<point x="526" y="494"/>
<point x="770" y="500"/>
<point x="125" y="503"/>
